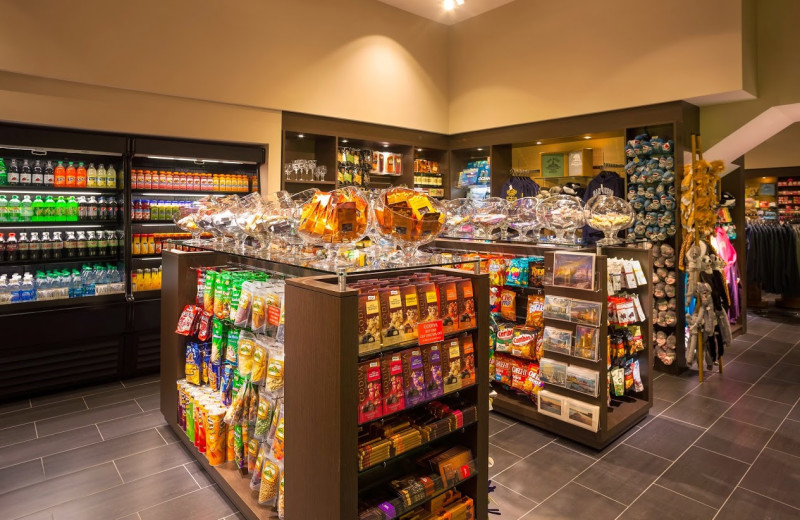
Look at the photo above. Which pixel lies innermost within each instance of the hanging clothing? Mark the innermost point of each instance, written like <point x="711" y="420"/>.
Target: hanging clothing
<point x="518" y="187"/>
<point x="605" y="183"/>
<point x="725" y="250"/>
<point x="772" y="257"/>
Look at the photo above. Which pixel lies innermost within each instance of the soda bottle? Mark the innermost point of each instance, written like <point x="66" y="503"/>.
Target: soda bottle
<point x="91" y="176"/>
<point x="61" y="209"/>
<point x="22" y="247"/>
<point x="27" y="209"/>
<point x="72" y="175"/>
<point x="91" y="206"/>
<point x="80" y="176"/>
<point x="72" y="209"/>
<point x="70" y="245"/>
<point x="2" y="249"/>
<point x="26" y="177"/>
<point x="38" y="173"/>
<point x="83" y="209"/>
<point x="111" y="177"/>
<point x="3" y="173"/>
<point x="35" y="247"/>
<point x="14" y="212"/>
<point x="60" y="175"/>
<point x="57" y="245"/>
<point x="91" y="243"/>
<point x="13" y="173"/>
<point x="49" y="209"/>
<point x="102" y="209"/>
<point x="37" y="206"/>
<point x="3" y="209"/>
<point x="49" y="174"/>
<point x="80" y="244"/>
<point x="101" y="177"/>
<point x="12" y="248"/>
<point x="46" y="246"/>
<point x="102" y="244"/>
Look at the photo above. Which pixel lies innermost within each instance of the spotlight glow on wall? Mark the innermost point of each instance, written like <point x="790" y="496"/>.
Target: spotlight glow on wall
<point x="449" y="5"/>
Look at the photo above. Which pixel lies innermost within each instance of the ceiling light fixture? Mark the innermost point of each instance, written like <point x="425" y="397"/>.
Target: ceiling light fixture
<point x="538" y="142"/>
<point x="479" y="149"/>
<point x="344" y="140"/>
<point x="449" y="5"/>
<point x="300" y="136"/>
<point x="587" y="136"/>
<point x="386" y="145"/>
<point x="419" y="149"/>
<point x="460" y="2"/>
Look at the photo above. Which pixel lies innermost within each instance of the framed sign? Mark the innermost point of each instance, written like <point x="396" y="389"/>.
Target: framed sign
<point x="552" y="165"/>
<point x="767" y="189"/>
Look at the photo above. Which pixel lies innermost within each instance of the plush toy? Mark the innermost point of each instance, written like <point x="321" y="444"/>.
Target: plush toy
<point x="672" y="304"/>
<point x="660" y="338"/>
<point x="670" y="342"/>
<point x="661" y="319"/>
<point x="671" y="318"/>
<point x="670" y="278"/>
<point x="662" y="305"/>
<point x="669" y="291"/>
<point x="658" y="290"/>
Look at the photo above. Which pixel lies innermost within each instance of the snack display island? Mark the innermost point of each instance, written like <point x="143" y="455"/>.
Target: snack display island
<point x="385" y="388"/>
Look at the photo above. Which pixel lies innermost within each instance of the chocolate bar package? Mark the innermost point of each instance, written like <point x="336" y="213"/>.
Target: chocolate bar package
<point x="448" y="296"/>
<point x="370" y="402"/>
<point x="410" y="312"/>
<point x="451" y="366"/>
<point x="393" y="388"/>
<point x="466" y="304"/>
<point x="467" y="360"/>
<point x="391" y="302"/>
<point x="432" y="364"/>
<point x="428" y="300"/>
<point x="413" y="376"/>
<point x="369" y="322"/>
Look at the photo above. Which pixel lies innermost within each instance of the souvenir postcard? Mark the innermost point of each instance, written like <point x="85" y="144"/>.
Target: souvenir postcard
<point x="557" y="340"/>
<point x="551" y="404"/>
<point x="574" y="270"/>
<point x="582" y="380"/>
<point x="587" y="313"/>
<point x="586" y="339"/>
<point x="553" y="372"/>
<point x="556" y="307"/>
<point x="582" y="414"/>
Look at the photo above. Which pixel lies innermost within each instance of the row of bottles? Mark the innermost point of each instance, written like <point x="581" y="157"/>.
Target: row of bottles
<point x="60" y="209"/>
<point x="146" y="279"/>
<point x="192" y="181"/>
<point x="61" y="283"/>
<point x="72" y="244"/>
<point x="60" y="176"/>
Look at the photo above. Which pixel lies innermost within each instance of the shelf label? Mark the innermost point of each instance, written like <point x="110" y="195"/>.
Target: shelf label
<point x="430" y="332"/>
<point x="465" y="471"/>
<point x="273" y="315"/>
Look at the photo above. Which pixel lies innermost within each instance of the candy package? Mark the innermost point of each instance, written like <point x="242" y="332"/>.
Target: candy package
<point x="186" y="320"/>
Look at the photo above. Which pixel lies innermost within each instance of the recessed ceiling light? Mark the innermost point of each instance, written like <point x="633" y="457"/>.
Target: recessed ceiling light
<point x="538" y="142"/>
<point x="587" y="136"/>
<point x="449" y="5"/>
<point x="480" y="149"/>
<point x="419" y="149"/>
<point x="344" y="140"/>
<point x="300" y="136"/>
<point x="460" y="2"/>
<point x="386" y="145"/>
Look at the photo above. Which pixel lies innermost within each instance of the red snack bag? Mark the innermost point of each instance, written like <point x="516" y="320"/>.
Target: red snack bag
<point x="502" y="369"/>
<point x="519" y="374"/>
<point x="186" y="321"/>
<point x="204" y="326"/>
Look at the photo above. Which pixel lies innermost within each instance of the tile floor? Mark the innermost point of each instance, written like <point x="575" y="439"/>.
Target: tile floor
<point x="729" y="448"/>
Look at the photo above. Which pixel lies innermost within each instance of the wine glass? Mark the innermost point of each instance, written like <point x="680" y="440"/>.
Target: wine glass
<point x="458" y="213"/>
<point x="186" y="219"/>
<point x="609" y="214"/>
<point x="287" y="170"/>
<point x="488" y="214"/>
<point x="522" y="217"/>
<point x="562" y="214"/>
<point x="311" y="166"/>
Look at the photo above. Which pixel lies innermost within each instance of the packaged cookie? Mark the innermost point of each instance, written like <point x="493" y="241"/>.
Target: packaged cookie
<point x="392" y="382"/>
<point x="370" y="405"/>
<point x="410" y="312"/>
<point x="467" y="360"/>
<point x="391" y="312"/>
<point x="432" y="365"/>
<point x="508" y="304"/>
<point x="428" y="301"/>
<point x="466" y="304"/>
<point x="413" y="376"/>
<point x="452" y="365"/>
<point x="369" y="322"/>
<point x="448" y="295"/>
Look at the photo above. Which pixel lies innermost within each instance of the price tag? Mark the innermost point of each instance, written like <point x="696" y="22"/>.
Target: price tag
<point x="430" y="332"/>
<point x="465" y="471"/>
<point x="273" y="315"/>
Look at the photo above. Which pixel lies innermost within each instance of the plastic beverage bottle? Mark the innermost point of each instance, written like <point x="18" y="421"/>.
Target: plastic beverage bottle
<point x="137" y="210"/>
<point x="111" y="177"/>
<point x="2" y="251"/>
<point x="72" y="209"/>
<point x="145" y="210"/>
<point x="49" y="174"/>
<point x="3" y="173"/>
<point x="34" y="247"/>
<point x="91" y="207"/>
<point x="12" y="248"/>
<point x="83" y="209"/>
<point x="75" y="285"/>
<point x="27" y="209"/>
<point x="87" y="280"/>
<point x="13" y="173"/>
<point x="46" y="246"/>
<point x="38" y="209"/>
<point x="26" y="289"/>
<point x="101" y="177"/>
<point x="102" y="243"/>
<point x="14" y="210"/>
<point x="72" y="175"/>
<point x="70" y="245"/>
<point x="57" y="245"/>
<point x="102" y="209"/>
<point x="49" y="209"/>
<point x="26" y="176"/>
<point x="38" y="173"/>
<point x="61" y="209"/>
<point x="3" y="209"/>
<point x="80" y="176"/>
<point x="80" y="244"/>
<point x="91" y="243"/>
<point x="91" y="176"/>
<point x="23" y="247"/>
<point x="60" y="179"/>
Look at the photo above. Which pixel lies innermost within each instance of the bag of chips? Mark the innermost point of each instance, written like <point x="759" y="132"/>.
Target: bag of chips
<point x="194" y="363"/>
<point x="517" y="272"/>
<point x="270" y="481"/>
<point x="186" y="320"/>
<point x="245" y="306"/>
<point x="508" y="304"/>
<point x="497" y="271"/>
<point x="534" y="317"/>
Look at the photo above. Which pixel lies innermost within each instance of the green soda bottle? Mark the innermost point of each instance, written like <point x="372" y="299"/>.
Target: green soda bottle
<point x="38" y="209"/>
<point x="49" y="213"/>
<point x="3" y="209"/>
<point x="3" y="173"/>
<point x="72" y="209"/>
<point x="61" y="209"/>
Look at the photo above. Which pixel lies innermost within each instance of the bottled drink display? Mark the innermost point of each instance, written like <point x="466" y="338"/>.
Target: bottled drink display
<point x="38" y="173"/>
<point x="50" y="245"/>
<point x="26" y="175"/>
<point x="3" y="173"/>
<point x="90" y="280"/>
<point x="13" y="173"/>
<point x="188" y="181"/>
<point x="49" y="174"/>
<point x="62" y="208"/>
<point x="152" y="243"/>
<point x="146" y="279"/>
<point x="148" y="210"/>
<point x="65" y="174"/>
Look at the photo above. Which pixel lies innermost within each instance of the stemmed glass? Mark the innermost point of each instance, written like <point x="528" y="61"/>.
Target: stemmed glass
<point x="609" y="214"/>
<point x="311" y="165"/>
<point x="186" y="218"/>
<point x="457" y="223"/>
<point x="409" y="231"/>
<point x="489" y="213"/>
<point x="288" y="169"/>
<point x="562" y="214"/>
<point x="522" y="217"/>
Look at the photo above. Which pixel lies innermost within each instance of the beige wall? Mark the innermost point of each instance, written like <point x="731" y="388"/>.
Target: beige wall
<point x="534" y="60"/>
<point x="777" y="152"/>
<point x="356" y="59"/>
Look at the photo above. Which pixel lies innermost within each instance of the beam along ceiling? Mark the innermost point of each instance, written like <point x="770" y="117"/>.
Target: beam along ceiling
<point x="434" y="9"/>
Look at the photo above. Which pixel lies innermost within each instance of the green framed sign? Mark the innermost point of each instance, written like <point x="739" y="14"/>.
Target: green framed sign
<point x="553" y="165"/>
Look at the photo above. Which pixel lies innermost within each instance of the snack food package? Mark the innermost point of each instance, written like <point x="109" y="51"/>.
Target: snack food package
<point x="194" y="363"/>
<point x="432" y="365"/>
<point x="255" y="480"/>
<point x="391" y="313"/>
<point x="222" y="295"/>
<point x="502" y="369"/>
<point x="232" y="346"/>
<point x="219" y="340"/>
<point x="369" y="322"/>
<point x="519" y="374"/>
<point x="410" y="312"/>
<point x="533" y="384"/>
<point x="535" y="308"/>
<point x="523" y="344"/>
<point x="186" y="321"/>
<point x="517" y="272"/>
<point x="278" y="442"/>
<point x="392" y="383"/>
<point x="238" y="449"/>
<point x="504" y="337"/>
<point x="245" y="305"/>
<point x="282" y="500"/>
<point x="467" y="361"/>
<point x="536" y="271"/>
<point x="260" y="360"/>
<point x="267" y="407"/>
<point x="208" y="290"/>
<point x="252" y="454"/>
<point x="451" y="365"/>
<point x="497" y="271"/>
<point x="428" y="299"/>
<point x="275" y="368"/>
<point x="258" y="314"/>
<point x="413" y="376"/>
<point x="370" y="405"/>
<point x="508" y="304"/>
<point x="448" y="294"/>
<point x="216" y="436"/>
<point x="244" y="351"/>
<point x="270" y="481"/>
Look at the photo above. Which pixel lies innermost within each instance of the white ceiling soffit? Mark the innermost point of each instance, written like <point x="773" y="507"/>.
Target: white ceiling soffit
<point x="434" y="9"/>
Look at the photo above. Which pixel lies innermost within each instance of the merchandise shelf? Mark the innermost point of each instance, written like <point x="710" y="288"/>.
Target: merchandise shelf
<point x="39" y="190"/>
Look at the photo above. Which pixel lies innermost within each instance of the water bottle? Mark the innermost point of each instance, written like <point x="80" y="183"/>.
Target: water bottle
<point x="87" y="281"/>
<point x="76" y="285"/>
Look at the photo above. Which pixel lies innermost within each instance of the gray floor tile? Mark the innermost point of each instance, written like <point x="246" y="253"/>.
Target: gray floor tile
<point x="704" y="476"/>
<point x="79" y="458"/>
<point x="86" y="417"/>
<point x="591" y="452"/>
<point x="126" y="425"/>
<point x="544" y="472"/>
<point x="510" y="504"/>
<point x="663" y="504"/>
<point x="760" y="412"/>
<point x="123" y="394"/>
<point x="742" y="372"/>
<point x="793" y="356"/>
<point x="521" y="439"/>
<point x="758" y="358"/>
<point x="240" y="516"/>
<point x="16" y="434"/>
<point x="748" y="338"/>
<point x="128" y="498"/>
<point x="198" y="474"/>
<point x="795" y="413"/>
<point x="774" y="346"/>
<point x="74" y="393"/>
<point x="776" y="475"/>
<point x="152" y="461"/>
<point x="41" y="412"/>
<point x="496" y="425"/>
<point x="787" y="438"/>
<point x="21" y="475"/>
<point x="664" y="437"/>
<point x="149" y="402"/>
<point x="14" y="406"/>
<point x="722" y="388"/>
<point x="40" y="515"/>
<point x="203" y="504"/>
<point x="502" y="459"/>
<point x="671" y="388"/>
<point x="624" y="473"/>
<point x="736" y="439"/>
<point x="746" y="504"/>
<point x="168" y="433"/>
<point x="576" y="501"/>
<point x="697" y="410"/>
<point x="659" y="405"/>
<point x="785" y="372"/>
<point x="776" y="390"/>
<point x="51" y="492"/>
<point x="136" y="381"/>
<point x="48" y="445"/>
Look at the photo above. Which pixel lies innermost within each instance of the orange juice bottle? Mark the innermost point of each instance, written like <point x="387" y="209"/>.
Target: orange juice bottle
<point x="136" y="245"/>
<point x="151" y="245"/>
<point x="215" y="183"/>
<point x="148" y="180"/>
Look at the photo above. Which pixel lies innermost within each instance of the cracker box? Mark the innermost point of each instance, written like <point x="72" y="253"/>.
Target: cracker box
<point x="413" y="376"/>
<point x="391" y="302"/>
<point x="451" y="365"/>
<point x="466" y="304"/>
<point x="467" y="361"/>
<point x="432" y="364"/>
<point x="393" y="388"/>
<point x="370" y="402"/>
<point x="369" y="322"/>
